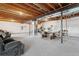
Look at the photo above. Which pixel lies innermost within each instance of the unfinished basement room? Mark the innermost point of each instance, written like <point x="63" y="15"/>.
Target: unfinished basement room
<point x="39" y="29"/>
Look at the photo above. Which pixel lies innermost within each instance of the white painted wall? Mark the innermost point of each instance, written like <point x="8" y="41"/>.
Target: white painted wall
<point x="73" y="26"/>
<point x="17" y="29"/>
<point x="13" y="27"/>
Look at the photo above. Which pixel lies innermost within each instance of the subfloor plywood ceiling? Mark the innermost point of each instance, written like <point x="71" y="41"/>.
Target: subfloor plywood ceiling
<point x="22" y="12"/>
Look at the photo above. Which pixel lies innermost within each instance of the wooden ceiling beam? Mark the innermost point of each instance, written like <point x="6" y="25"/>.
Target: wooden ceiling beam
<point x="51" y="6"/>
<point x="65" y="16"/>
<point x="41" y="6"/>
<point x="9" y="11"/>
<point x="27" y="9"/>
<point x="20" y="20"/>
<point x="60" y="5"/>
<point x="14" y="9"/>
<point x="42" y="10"/>
<point x="69" y="6"/>
<point x="34" y="7"/>
<point x="11" y="14"/>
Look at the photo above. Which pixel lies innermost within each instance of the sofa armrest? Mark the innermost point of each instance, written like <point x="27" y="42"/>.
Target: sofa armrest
<point x="13" y="49"/>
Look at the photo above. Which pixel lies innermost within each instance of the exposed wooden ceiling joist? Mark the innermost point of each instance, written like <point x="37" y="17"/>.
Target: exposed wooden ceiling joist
<point x="26" y="8"/>
<point x="60" y="5"/>
<point x="34" y="7"/>
<point x="27" y="11"/>
<point x="15" y="9"/>
<point x="51" y="6"/>
<point x="69" y="6"/>
<point x="41" y="6"/>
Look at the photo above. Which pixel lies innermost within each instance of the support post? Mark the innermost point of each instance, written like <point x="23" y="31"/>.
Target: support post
<point x="67" y="28"/>
<point x="35" y="27"/>
<point x="29" y="29"/>
<point x="36" y="30"/>
<point x="61" y="26"/>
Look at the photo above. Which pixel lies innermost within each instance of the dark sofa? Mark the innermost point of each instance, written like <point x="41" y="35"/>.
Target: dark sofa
<point x="10" y="47"/>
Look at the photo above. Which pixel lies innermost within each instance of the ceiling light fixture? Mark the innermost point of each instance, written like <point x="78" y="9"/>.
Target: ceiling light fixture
<point x="20" y="13"/>
<point x="12" y="20"/>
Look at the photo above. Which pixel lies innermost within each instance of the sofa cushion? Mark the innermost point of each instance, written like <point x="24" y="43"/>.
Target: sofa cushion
<point x="8" y="40"/>
<point x="11" y="44"/>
